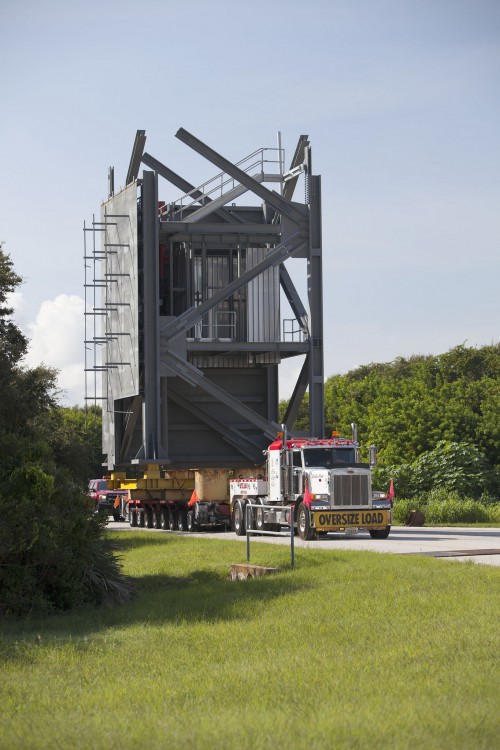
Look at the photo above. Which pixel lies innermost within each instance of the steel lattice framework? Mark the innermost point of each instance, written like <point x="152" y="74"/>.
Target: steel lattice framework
<point x="188" y="296"/>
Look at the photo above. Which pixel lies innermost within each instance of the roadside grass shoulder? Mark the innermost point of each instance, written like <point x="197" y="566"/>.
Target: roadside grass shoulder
<point x="443" y="508"/>
<point x="350" y="650"/>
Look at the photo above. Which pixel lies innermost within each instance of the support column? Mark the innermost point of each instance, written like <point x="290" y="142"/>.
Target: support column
<point x="315" y="294"/>
<point x="152" y="448"/>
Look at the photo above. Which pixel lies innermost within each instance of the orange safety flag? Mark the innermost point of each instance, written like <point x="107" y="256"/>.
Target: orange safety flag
<point x="307" y="498"/>
<point x="194" y="499"/>
<point x="117" y="502"/>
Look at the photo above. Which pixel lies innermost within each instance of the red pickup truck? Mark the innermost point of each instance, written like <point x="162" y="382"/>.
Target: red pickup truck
<point x="104" y="499"/>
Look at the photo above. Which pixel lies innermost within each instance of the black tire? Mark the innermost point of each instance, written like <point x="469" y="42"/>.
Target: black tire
<point x="260" y="525"/>
<point x="141" y="518"/>
<point x="239" y="519"/>
<point x="380" y="533"/>
<point x="191" y="523"/>
<point x="148" y="518"/>
<point x="164" y="519"/>
<point x="133" y="517"/>
<point x="172" y="519"/>
<point x="182" y="520"/>
<point x="306" y="532"/>
<point x="157" y="518"/>
<point x="116" y="515"/>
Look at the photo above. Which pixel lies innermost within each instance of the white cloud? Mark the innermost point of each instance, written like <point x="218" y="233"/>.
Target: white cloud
<point x="15" y="300"/>
<point x="56" y="340"/>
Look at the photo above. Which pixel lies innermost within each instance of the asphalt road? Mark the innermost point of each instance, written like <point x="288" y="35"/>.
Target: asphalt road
<point x="477" y="544"/>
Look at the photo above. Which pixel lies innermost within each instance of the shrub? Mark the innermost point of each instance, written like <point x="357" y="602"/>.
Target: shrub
<point x="441" y="507"/>
<point x="455" y="467"/>
<point x="53" y="554"/>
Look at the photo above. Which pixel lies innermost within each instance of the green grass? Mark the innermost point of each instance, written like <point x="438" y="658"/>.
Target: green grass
<point x="350" y="650"/>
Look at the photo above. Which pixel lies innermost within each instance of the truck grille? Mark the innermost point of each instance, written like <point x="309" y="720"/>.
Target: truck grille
<point x="351" y="489"/>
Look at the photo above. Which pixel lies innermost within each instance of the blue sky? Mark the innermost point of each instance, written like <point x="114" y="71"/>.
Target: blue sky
<point x="401" y="101"/>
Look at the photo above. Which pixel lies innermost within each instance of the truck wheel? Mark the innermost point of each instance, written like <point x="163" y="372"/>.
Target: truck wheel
<point x="116" y="515"/>
<point x="182" y="520"/>
<point x="380" y="533"/>
<point x="172" y="519"/>
<point x="304" y="523"/>
<point x="148" y="517"/>
<point x="259" y="520"/>
<point x="191" y="523"/>
<point x="164" y="519"/>
<point x="157" y="518"/>
<point x="133" y="517"/>
<point x="239" y="519"/>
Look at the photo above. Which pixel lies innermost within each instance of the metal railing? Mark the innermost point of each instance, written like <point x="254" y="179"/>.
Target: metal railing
<point x="292" y="330"/>
<point x="222" y="182"/>
<point x="288" y="514"/>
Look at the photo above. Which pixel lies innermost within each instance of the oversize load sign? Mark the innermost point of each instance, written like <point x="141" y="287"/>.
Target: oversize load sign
<point x="359" y="518"/>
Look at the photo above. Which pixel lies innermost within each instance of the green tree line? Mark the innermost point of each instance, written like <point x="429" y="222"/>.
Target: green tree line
<point x="433" y="418"/>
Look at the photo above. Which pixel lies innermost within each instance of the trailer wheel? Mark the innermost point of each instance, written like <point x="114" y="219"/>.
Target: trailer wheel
<point x="164" y="518"/>
<point x="239" y="519"/>
<point x="157" y="518"/>
<point x="148" y="518"/>
<point x="133" y="517"/>
<point x="141" y="518"/>
<point x="304" y="523"/>
<point x="380" y="533"/>
<point x="182" y="520"/>
<point x="172" y="519"/>
<point x="191" y="523"/>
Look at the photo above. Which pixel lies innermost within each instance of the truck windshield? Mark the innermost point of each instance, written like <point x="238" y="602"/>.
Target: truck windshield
<point x="329" y="458"/>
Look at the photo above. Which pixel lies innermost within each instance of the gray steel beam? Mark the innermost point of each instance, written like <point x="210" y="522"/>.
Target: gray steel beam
<point x="184" y="227"/>
<point x="293" y="298"/>
<point x="292" y="410"/>
<point x="196" y="378"/>
<point x="228" y="434"/>
<point x="275" y="256"/>
<point x="129" y="429"/>
<point x="276" y="201"/>
<point x="282" y="347"/>
<point x="315" y="295"/>
<point x="135" y="159"/>
<point x="298" y="159"/>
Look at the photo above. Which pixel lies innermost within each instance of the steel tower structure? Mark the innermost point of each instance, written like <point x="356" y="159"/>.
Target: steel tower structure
<point x="187" y="293"/>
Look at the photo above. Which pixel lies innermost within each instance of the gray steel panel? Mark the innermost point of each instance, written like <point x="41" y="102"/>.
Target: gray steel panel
<point x="263" y="297"/>
<point x="120" y="300"/>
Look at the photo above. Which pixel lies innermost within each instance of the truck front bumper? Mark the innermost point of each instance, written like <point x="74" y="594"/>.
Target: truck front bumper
<point x="339" y="520"/>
